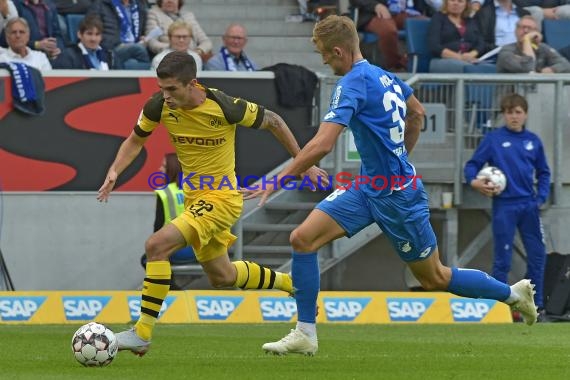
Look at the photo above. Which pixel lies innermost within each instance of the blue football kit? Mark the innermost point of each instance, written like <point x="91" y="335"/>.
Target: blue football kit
<point x="371" y="102"/>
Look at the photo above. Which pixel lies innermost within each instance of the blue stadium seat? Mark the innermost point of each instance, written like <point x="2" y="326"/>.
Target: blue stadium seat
<point x="556" y="32"/>
<point x="480" y="97"/>
<point x="419" y="54"/>
<point x="73" y="21"/>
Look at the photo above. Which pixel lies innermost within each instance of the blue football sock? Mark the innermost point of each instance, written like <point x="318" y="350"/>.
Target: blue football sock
<point x="306" y="282"/>
<point x="476" y="284"/>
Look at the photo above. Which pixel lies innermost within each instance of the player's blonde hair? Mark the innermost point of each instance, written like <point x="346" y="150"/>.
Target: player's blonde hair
<point x="337" y="31"/>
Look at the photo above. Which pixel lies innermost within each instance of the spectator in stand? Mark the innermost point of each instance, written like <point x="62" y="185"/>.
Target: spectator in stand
<point x="497" y="23"/>
<point x="384" y="18"/>
<point x="179" y="35"/>
<point x="43" y="23"/>
<point x="231" y="56"/>
<point x="565" y="52"/>
<point x="546" y="9"/>
<point x="123" y="31"/>
<point x="18" y="37"/>
<point x="87" y="54"/>
<point x="65" y="7"/>
<point x="454" y="38"/>
<point x="7" y="11"/>
<point x="164" y="13"/>
<point x="529" y="54"/>
<point x="436" y="6"/>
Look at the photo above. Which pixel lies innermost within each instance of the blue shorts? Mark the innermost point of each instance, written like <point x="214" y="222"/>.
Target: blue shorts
<point x="403" y="216"/>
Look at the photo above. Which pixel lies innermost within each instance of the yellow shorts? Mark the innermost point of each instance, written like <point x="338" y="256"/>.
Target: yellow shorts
<point x="206" y="222"/>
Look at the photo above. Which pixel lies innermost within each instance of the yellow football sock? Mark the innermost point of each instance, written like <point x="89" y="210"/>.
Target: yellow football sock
<point x="155" y="288"/>
<point x="251" y="275"/>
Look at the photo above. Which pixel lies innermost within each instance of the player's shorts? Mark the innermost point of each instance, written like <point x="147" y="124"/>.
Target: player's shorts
<point x="403" y="216"/>
<point x="207" y="220"/>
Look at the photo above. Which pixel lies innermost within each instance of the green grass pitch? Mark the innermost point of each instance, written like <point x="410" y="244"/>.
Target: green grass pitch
<point x="228" y="351"/>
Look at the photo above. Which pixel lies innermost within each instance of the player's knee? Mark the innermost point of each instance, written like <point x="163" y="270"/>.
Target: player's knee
<point x="153" y="249"/>
<point x="220" y="280"/>
<point x="301" y="242"/>
<point x="436" y="281"/>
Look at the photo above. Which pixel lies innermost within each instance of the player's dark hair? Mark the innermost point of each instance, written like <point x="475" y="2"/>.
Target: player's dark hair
<point x="179" y="65"/>
<point x="511" y="101"/>
<point x="172" y="167"/>
<point x="89" y="22"/>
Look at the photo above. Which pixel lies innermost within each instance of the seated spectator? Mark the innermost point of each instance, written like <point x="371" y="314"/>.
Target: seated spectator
<point x="66" y="7"/>
<point x="164" y="13"/>
<point x="565" y="52"/>
<point x="529" y="54"/>
<point x="18" y="37"/>
<point x="231" y="56"/>
<point x="179" y="35"/>
<point x="436" y="6"/>
<point x="453" y="38"/>
<point x="123" y="28"/>
<point x="45" y="33"/>
<point x="497" y="22"/>
<point x="548" y="9"/>
<point x="7" y="11"/>
<point x="87" y="54"/>
<point x="384" y="18"/>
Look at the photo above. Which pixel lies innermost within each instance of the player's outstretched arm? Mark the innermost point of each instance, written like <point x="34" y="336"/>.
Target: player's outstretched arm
<point x="128" y="151"/>
<point x="414" y="122"/>
<point x="319" y="146"/>
<point x="277" y="126"/>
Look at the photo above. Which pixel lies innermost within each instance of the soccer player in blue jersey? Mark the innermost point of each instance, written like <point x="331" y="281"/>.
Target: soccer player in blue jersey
<point x="519" y="153"/>
<point x="385" y="119"/>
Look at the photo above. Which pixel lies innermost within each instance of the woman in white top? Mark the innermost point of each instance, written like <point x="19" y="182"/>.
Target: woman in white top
<point x="164" y="13"/>
<point x="179" y="36"/>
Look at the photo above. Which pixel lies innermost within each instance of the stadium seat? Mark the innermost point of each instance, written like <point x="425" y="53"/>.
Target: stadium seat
<point x="366" y="38"/>
<point x="556" y="33"/>
<point x="479" y="98"/>
<point x="73" y="21"/>
<point x="419" y="55"/>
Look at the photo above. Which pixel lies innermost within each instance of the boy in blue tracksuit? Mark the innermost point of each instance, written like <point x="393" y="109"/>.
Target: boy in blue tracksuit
<point x="520" y="155"/>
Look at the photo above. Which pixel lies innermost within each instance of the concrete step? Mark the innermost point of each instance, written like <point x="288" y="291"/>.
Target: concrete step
<point x="287" y="44"/>
<point x="198" y="3"/>
<point x="239" y="12"/>
<point x="289" y="206"/>
<point x="255" y="27"/>
<point x="266" y="249"/>
<point x="263" y="227"/>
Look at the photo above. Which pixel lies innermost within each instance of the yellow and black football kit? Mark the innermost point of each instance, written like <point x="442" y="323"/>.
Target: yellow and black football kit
<point x="204" y="138"/>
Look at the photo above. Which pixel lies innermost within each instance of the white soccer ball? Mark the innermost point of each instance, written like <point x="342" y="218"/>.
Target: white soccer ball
<point x="94" y="345"/>
<point x="495" y="176"/>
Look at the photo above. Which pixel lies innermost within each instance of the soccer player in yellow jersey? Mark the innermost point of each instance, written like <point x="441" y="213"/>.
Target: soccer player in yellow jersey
<point x="201" y="123"/>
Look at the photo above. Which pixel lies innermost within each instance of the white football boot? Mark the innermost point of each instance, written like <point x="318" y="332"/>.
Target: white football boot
<point x="525" y="305"/>
<point x="296" y="342"/>
<point x="129" y="340"/>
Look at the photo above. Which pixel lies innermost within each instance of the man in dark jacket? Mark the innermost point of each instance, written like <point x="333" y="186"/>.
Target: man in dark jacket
<point x="87" y="54"/>
<point x="45" y="33"/>
<point x="497" y="23"/>
<point x="123" y="27"/>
